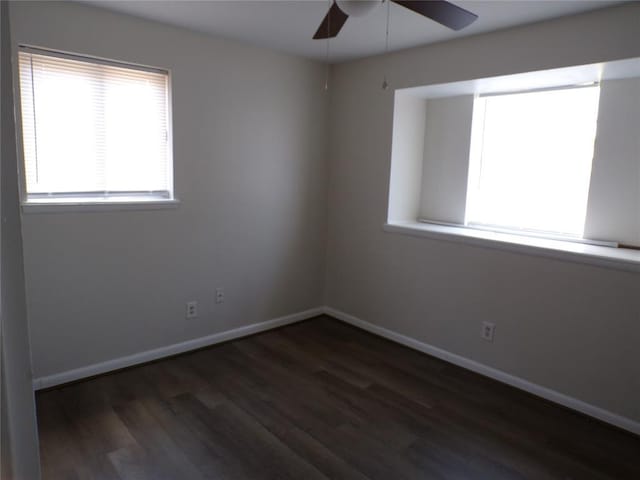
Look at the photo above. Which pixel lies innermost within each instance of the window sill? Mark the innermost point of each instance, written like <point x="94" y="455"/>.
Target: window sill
<point x="96" y="206"/>
<point x="618" y="258"/>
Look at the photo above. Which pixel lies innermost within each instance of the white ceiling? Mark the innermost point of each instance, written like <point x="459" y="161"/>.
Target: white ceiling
<point x="288" y="25"/>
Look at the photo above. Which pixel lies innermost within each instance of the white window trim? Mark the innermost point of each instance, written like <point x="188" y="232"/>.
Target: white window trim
<point x="109" y="205"/>
<point x="90" y="204"/>
<point x="601" y="256"/>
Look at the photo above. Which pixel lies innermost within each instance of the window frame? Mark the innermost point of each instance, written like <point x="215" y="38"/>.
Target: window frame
<point x="91" y="201"/>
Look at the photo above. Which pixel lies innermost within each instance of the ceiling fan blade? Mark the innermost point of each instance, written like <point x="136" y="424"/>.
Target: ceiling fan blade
<point x="445" y="13"/>
<point x="332" y="23"/>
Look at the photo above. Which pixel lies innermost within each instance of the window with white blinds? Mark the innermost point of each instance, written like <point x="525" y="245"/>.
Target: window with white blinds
<point x="93" y="130"/>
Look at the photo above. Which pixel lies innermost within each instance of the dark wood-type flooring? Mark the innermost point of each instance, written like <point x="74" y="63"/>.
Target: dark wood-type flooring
<point x="318" y="400"/>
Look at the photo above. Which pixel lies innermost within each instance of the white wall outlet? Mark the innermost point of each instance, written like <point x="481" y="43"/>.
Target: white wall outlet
<point x="488" y="330"/>
<point x="219" y="295"/>
<point x="192" y="309"/>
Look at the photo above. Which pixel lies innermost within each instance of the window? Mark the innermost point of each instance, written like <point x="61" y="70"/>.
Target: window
<point x="550" y="168"/>
<point x="93" y="131"/>
<point x="530" y="162"/>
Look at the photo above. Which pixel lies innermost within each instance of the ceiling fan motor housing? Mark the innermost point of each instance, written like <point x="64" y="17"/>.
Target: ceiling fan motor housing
<point x="357" y="8"/>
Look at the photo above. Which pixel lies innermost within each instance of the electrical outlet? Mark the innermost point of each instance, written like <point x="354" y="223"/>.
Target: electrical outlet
<point x="219" y="295"/>
<point x="488" y="330"/>
<point x="192" y="309"/>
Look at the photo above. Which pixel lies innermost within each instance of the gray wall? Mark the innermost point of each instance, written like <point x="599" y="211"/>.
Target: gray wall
<point x="249" y="160"/>
<point x="18" y="436"/>
<point x="570" y="327"/>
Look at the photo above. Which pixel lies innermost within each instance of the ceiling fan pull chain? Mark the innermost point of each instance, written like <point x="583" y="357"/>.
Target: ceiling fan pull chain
<point x="385" y="83"/>
<point x="326" y="80"/>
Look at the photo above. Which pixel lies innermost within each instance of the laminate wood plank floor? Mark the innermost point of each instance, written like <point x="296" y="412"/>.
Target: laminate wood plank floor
<point x="318" y="400"/>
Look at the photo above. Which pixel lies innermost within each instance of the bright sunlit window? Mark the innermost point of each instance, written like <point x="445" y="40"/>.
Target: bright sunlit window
<point x="531" y="156"/>
<point x="93" y="130"/>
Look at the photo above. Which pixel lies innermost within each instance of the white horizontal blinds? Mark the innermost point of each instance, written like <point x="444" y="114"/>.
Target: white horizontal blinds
<point x="93" y="128"/>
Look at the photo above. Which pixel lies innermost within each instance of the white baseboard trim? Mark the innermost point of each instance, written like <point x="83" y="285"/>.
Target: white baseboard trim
<point x="499" y="375"/>
<point x="166" y="351"/>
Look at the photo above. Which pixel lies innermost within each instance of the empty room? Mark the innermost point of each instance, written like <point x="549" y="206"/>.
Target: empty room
<point x="320" y="239"/>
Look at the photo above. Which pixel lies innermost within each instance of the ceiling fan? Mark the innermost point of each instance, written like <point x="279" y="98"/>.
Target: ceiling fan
<point x="441" y="11"/>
